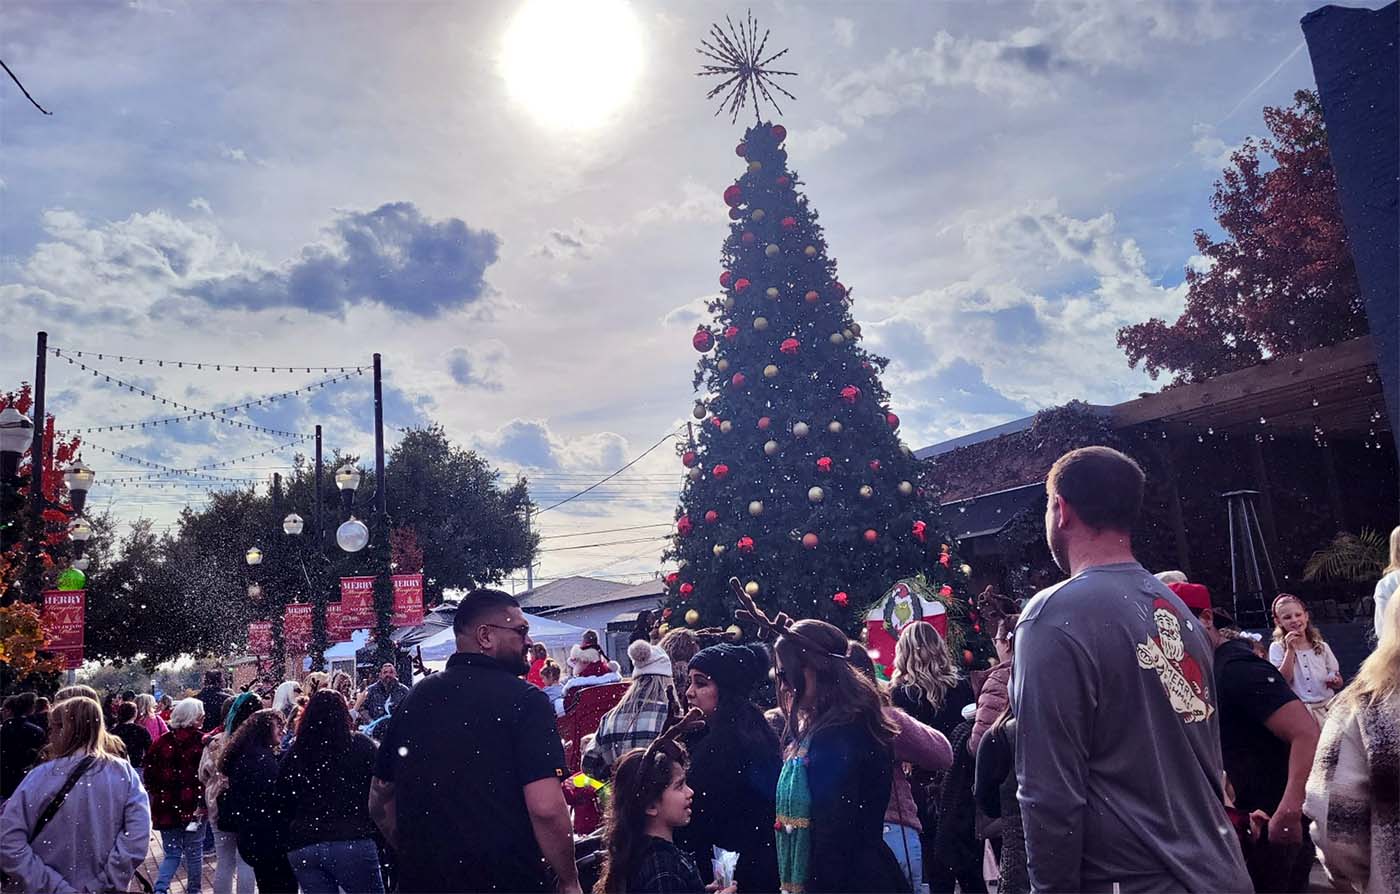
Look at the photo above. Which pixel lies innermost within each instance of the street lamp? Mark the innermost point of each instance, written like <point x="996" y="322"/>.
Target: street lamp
<point x="16" y="434"/>
<point x="79" y="479"/>
<point x="253" y="556"/>
<point x="79" y="531"/>
<point x="255" y="592"/>
<point x="352" y="536"/>
<point x="292" y="524"/>
<point x="347" y="481"/>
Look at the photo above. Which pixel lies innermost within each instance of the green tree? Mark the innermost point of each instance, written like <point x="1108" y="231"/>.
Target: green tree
<point x="798" y="483"/>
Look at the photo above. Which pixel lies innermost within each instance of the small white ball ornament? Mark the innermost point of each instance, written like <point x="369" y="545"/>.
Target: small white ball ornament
<point x="699" y="411"/>
<point x="752" y="588"/>
<point x="728" y="302"/>
<point x="770" y="448"/>
<point x="866" y="491"/>
<point x="810" y="251"/>
<point x="816" y="495"/>
<point x="694" y="474"/>
<point x="756" y="508"/>
<point x="757" y="212"/>
<point x="726" y="427"/>
<point x="836" y="338"/>
<point x="772" y="293"/>
<point x="771" y="250"/>
<point x="770" y="371"/>
<point x="835" y="427"/>
<point x="906" y="489"/>
<point x="718" y="549"/>
<point x="800" y="430"/>
<point x="760" y="323"/>
<point x="722" y="365"/>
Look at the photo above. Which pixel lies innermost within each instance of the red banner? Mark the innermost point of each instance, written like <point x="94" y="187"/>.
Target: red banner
<point x="408" y="599"/>
<point x="63" y="618"/>
<point x="357" y="602"/>
<point x="336" y="631"/>
<point x="296" y="626"/>
<point x="260" y="638"/>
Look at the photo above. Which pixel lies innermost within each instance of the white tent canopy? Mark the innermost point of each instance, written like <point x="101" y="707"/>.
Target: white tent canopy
<point x="556" y="636"/>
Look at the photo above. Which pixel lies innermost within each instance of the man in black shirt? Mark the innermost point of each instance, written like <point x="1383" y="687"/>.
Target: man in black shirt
<point x="1267" y="740"/>
<point x="20" y="742"/>
<point x="132" y="734"/>
<point x="384" y="696"/>
<point x="213" y="695"/>
<point x="467" y="785"/>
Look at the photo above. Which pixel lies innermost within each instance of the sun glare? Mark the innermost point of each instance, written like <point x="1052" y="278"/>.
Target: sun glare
<point x="572" y="63"/>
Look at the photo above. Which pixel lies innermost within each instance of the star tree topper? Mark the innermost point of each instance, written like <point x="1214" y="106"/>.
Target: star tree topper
<point x="739" y="52"/>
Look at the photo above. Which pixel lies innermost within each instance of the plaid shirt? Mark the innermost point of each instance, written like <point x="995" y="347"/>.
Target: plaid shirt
<point x="622" y="729"/>
<point x="662" y="868"/>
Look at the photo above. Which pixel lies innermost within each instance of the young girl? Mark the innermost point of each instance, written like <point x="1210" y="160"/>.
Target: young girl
<point x="587" y="659"/>
<point x="1301" y="655"/>
<point x="550" y="674"/>
<point x="650" y="801"/>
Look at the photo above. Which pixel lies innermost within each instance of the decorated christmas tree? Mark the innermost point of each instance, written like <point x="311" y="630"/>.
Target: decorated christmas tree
<point x="797" y="482"/>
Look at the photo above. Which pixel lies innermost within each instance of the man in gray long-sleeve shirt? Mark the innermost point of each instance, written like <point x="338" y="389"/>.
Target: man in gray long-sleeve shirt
<point x="1118" y="744"/>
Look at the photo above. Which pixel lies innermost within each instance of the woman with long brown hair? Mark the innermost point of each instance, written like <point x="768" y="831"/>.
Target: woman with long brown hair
<point x="835" y="782"/>
<point x="101" y="829"/>
<point x="250" y="805"/>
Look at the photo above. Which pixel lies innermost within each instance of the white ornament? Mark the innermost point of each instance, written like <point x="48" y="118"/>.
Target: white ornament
<point x="726" y="427"/>
<point x="719" y="549"/>
<point x="695" y="473"/>
<point x="800" y="430"/>
<point x="699" y="411"/>
<point x="771" y="250"/>
<point x="837" y="338"/>
<point x="810" y="251"/>
<point x="772" y="293"/>
<point x="760" y="323"/>
<point x="866" y="491"/>
<point x="835" y="427"/>
<point x="756" y="507"/>
<point x="770" y="448"/>
<point x="816" y="495"/>
<point x="757" y="212"/>
<point x="770" y="371"/>
<point x="728" y="302"/>
<point x="905" y="488"/>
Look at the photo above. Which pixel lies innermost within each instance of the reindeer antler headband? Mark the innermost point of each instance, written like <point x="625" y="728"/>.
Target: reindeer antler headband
<point x="669" y="742"/>
<point x="780" y="625"/>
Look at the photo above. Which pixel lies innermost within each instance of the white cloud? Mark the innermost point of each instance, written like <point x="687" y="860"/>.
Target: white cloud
<point x="820" y="138"/>
<point x="199" y="203"/>
<point x="844" y="30"/>
<point x="1213" y="152"/>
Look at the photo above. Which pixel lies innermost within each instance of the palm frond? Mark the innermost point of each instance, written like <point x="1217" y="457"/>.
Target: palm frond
<point x="1352" y="558"/>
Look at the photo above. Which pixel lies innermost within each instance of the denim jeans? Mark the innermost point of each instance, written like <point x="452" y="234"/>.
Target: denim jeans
<point x="897" y="839"/>
<point x="328" y="866"/>
<point x="230" y="866"/>
<point x="181" y="846"/>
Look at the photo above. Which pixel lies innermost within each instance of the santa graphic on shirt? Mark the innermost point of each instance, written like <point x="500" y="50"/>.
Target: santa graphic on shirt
<point x="1178" y="670"/>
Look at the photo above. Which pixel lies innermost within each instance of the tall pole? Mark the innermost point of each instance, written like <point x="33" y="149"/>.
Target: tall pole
<point x="383" y="586"/>
<point x="33" y="572"/>
<point x="318" y="595"/>
<point x="529" y="563"/>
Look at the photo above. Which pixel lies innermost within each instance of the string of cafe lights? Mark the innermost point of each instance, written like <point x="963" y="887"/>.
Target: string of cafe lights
<point x="205" y="365"/>
<point x="178" y="471"/>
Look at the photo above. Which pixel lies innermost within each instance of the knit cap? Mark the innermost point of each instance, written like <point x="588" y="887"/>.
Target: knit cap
<point x="733" y="666"/>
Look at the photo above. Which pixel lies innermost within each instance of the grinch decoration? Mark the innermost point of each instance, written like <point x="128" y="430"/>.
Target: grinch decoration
<point x="907" y="601"/>
<point x="814" y="443"/>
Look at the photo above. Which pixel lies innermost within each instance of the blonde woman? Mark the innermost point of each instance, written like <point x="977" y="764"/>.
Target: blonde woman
<point x="315" y="682"/>
<point x="647" y="709"/>
<point x="1351" y="790"/>
<point x="102" y="829"/>
<point x="926" y="684"/>
<point x="148" y="717"/>
<point x="1389" y="583"/>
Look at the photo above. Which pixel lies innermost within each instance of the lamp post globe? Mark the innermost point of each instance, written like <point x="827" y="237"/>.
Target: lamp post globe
<point x="81" y="563"/>
<point x="255" y="592"/>
<point x="79" y="478"/>
<point x="253" y="556"/>
<point x="16" y="435"/>
<point x="293" y="524"/>
<point x="79" y="531"/>
<point x="352" y="536"/>
<point x="347" y="477"/>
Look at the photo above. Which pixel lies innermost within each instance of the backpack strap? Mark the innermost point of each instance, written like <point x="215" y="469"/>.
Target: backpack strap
<point x="57" y="801"/>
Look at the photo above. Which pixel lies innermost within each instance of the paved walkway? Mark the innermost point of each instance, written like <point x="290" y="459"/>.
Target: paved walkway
<point x="180" y="884"/>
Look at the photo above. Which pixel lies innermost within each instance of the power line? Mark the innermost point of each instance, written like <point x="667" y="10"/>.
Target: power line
<point x="560" y="549"/>
<point x="613" y="475"/>
<point x="606" y="531"/>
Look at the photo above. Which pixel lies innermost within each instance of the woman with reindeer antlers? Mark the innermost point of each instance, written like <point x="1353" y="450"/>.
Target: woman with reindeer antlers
<point x="835" y="781"/>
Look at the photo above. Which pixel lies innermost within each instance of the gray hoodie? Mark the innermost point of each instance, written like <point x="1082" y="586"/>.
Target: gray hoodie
<point x="1118" y="746"/>
<point x="95" y="842"/>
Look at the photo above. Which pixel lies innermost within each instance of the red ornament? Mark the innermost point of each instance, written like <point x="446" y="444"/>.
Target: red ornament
<point x="733" y="195"/>
<point x="841" y="599"/>
<point x="874" y="465"/>
<point x="711" y="517"/>
<point x="720" y="472"/>
<point x="892" y="420"/>
<point x="745" y="544"/>
<point x="740" y="285"/>
<point x="702" y="340"/>
<point x="731" y="333"/>
<point x="789" y="346"/>
<point x="850" y="394"/>
<point x="967" y="657"/>
<point x="747" y="238"/>
<point x="763" y="423"/>
<point x="783" y="180"/>
<point x="871" y="536"/>
<point x="686" y="589"/>
<point x="838" y="288"/>
<point x="945" y="591"/>
<point x="683" y="525"/>
<point x="944" y="557"/>
<point x="789" y="223"/>
<point x="976" y="628"/>
<point x="672" y="578"/>
<point x="812" y="297"/>
<point x="810" y="540"/>
<point x="665" y="613"/>
<point x="716" y="421"/>
<point x="726" y="278"/>
<point x="824" y="464"/>
<point x="920" y="531"/>
<point x="735" y="213"/>
<point x="688" y="459"/>
<point x="779" y="132"/>
<point x="738" y="380"/>
<point x="741" y="150"/>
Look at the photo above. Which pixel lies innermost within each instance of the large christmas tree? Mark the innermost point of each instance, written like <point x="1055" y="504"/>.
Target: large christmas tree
<point x="797" y="482"/>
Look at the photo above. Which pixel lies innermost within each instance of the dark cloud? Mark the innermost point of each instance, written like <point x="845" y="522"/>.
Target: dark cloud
<point x="1035" y="58"/>
<point x="468" y="372"/>
<point x="526" y="443"/>
<point x="392" y="256"/>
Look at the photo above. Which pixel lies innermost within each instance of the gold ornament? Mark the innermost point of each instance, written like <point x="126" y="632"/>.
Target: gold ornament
<point x="719" y="549"/>
<point x="847" y="334"/>
<point x="728" y="302"/>
<point x="722" y="365"/>
<point x="734" y="631"/>
<point x="810" y="251"/>
<point x="837" y="338"/>
<point x="664" y="629"/>
<point x="692" y="617"/>
<point x="772" y="293"/>
<point x="835" y="427"/>
<point x="751" y="588"/>
<point x="726" y="427"/>
<point x="770" y="371"/>
<point x="800" y="430"/>
<point x="695" y="473"/>
<point x="966" y="570"/>
<point x="770" y="448"/>
<point x="755" y="165"/>
<point x="866" y="491"/>
<point x="816" y="495"/>
<point x="699" y="411"/>
<point x="757" y="212"/>
<point x="855" y="327"/>
<point x="760" y="323"/>
<point x="905" y="488"/>
<point x="771" y="250"/>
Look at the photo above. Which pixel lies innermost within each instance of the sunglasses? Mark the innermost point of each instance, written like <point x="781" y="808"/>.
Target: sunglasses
<point x="523" y="630"/>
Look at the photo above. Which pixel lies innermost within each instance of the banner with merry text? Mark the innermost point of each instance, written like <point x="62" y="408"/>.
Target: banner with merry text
<point x="63" y="617"/>
<point x="260" y="638"/>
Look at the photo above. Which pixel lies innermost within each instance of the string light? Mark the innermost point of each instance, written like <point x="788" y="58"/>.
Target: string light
<point x="205" y="365"/>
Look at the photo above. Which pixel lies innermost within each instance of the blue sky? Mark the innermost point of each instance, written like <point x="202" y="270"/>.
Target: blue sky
<point x="1004" y="185"/>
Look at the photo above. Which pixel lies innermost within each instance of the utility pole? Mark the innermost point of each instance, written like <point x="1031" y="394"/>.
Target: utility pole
<point x="33" y="570"/>
<point x="379" y="537"/>
<point x="318" y="594"/>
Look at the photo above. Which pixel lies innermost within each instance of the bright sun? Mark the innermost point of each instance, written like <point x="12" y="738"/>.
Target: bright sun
<point x="571" y="63"/>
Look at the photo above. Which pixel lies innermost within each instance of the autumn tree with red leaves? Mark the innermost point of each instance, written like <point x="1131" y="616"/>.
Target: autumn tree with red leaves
<point x="1281" y="280"/>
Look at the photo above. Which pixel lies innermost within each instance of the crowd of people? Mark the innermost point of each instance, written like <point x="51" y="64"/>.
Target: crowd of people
<point x="1129" y="737"/>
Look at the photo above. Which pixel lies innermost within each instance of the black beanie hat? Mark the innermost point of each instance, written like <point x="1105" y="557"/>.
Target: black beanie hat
<point x="734" y="667"/>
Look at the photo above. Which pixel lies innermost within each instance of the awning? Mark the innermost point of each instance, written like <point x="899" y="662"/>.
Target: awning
<point x="987" y="514"/>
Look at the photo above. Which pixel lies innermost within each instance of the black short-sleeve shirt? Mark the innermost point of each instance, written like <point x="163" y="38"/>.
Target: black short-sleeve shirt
<point x="1250" y="690"/>
<point x="460" y="750"/>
